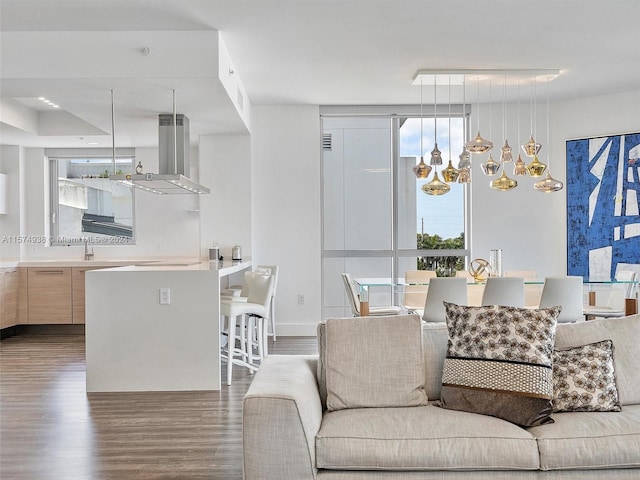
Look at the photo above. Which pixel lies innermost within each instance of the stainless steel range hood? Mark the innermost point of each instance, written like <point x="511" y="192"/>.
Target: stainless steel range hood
<point x="173" y="133"/>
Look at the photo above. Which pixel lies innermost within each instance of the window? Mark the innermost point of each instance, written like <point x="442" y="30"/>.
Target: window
<point x="377" y="221"/>
<point x="85" y="204"/>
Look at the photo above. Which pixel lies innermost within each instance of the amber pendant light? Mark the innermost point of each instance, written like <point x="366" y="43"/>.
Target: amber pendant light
<point x="435" y="186"/>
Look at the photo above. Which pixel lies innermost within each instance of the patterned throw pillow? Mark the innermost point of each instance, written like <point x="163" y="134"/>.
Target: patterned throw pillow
<point x="499" y="362"/>
<point x="584" y="379"/>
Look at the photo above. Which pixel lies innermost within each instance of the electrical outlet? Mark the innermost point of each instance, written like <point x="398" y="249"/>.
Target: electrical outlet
<point x="165" y="296"/>
<point x="300" y="299"/>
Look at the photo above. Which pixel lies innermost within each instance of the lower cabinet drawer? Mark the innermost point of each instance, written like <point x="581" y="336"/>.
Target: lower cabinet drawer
<point x="49" y="295"/>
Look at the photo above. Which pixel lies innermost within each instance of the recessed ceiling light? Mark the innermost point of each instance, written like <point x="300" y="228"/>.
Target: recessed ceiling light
<point x="48" y="102"/>
<point x="93" y="143"/>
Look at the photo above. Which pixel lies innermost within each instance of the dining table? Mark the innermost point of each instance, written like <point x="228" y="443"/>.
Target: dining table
<point x="591" y="286"/>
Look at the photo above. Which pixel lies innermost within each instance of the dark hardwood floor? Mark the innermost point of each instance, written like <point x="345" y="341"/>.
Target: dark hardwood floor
<point x="51" y="429"/>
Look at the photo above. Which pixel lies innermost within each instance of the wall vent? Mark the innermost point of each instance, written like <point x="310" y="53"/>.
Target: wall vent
<point x="326" y="141"/>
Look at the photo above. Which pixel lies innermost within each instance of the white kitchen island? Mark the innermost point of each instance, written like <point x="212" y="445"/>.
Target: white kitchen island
<point x="135" y="343"/>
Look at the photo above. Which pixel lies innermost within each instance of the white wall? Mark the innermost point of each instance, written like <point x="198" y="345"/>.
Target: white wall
<point x="285" y="186"/>
<point x="225" y="167"/>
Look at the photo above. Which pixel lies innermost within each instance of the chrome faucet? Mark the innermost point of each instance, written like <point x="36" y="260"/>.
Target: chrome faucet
<point x="87" y="255"/>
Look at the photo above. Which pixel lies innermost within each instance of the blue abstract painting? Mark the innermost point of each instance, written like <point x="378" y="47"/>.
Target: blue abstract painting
<point x="603" y="215"/>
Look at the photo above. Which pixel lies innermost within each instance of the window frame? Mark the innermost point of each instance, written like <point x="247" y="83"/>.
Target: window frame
<point x="396" y="114"/>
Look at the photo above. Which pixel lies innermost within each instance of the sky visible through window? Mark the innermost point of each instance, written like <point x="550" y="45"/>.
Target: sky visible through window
<point x="443" y="215"/>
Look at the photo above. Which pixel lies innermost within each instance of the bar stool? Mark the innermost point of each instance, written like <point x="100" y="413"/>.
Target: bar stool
<point x="248" y="318"/>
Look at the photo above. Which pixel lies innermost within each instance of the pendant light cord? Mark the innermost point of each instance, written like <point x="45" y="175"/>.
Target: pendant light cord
<point x="435" y="110"/>
<point x="518" y="110"/>
<point x="421" y="119"/>
<point x="449" y="118"/>
<point x="548" y="135"/>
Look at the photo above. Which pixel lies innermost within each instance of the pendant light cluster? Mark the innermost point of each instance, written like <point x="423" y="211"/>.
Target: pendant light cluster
<point x="479" y="145"/>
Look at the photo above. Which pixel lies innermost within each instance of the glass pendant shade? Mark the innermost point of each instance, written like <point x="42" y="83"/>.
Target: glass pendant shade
<point x="478" y="145"/>
<point x="519" y="167"/>
<point x="435" y="186"/>
<point x="422" y="170"/>
<point x="531" y="148"/>
<point x="450" y="174"/>
<point x="505" y="152"/>
<point x="436" y="156"/>
<point x="490" y="167"/>
<point x="503" y="183"/>
<point x="465" y="159"/>
<point x="536" y="168"/>
<point x="549" y="184"/>
<point x="464" y="175"/>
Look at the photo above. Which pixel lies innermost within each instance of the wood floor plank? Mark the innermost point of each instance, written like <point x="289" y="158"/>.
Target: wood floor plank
<point x="51" y="429"/>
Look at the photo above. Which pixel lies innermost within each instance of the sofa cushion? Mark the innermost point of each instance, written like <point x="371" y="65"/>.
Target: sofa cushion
<point x="374" y="362"/>
<point x="587" y="440"/>
<point x="499" y="362"/>
<point x="422" y="438"/>
<point x="584" y="379"/>
<point x="624" y="332"/>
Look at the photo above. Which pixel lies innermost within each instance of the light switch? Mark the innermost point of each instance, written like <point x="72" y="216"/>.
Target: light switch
<point x="165" y="296"/>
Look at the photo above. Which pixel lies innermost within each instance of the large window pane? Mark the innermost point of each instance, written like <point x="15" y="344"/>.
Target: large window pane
<point x="443" y="215"/>
<point x="357" y="184"/>
<point x="86" y="205"/>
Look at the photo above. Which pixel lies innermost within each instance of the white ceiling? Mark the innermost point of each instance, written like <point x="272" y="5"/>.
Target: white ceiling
<point x="325" y="52"/>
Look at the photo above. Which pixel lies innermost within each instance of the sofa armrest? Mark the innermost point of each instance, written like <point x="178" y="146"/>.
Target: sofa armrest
<point x="281" y="415"/>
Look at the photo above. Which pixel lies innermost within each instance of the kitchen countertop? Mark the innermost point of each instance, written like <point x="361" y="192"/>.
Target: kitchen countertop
<point x="106" y="263"/>
<point x="224" y="268"/>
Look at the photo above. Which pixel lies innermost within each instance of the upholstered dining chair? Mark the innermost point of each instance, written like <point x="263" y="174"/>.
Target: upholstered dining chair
<point x="564" y="291"/>
<point x="245" y="323"/>
<point x="508" y="291"/>
<point x="354" y="301"/>
<point x="443" y="289"/>
<point x="414" y="296"/>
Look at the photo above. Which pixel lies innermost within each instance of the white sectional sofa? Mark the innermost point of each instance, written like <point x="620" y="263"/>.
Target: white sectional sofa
<point x="288" y="433"/>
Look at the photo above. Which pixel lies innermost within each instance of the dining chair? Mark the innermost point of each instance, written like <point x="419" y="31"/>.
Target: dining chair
<point x="353" y="298"/>
<point x="615" y="305"/>
<point x="443" y="289"/>
<point x="415" y="295"/>
<point x="532" y="291"/>
<point x="245" y="323"/>
<point x="507" y="291"/>
<point x="565" y="291"/>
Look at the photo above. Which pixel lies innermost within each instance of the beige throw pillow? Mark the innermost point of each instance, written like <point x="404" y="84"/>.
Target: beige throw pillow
<point x="584" y="379"/>
<point x="374" y="362"/>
